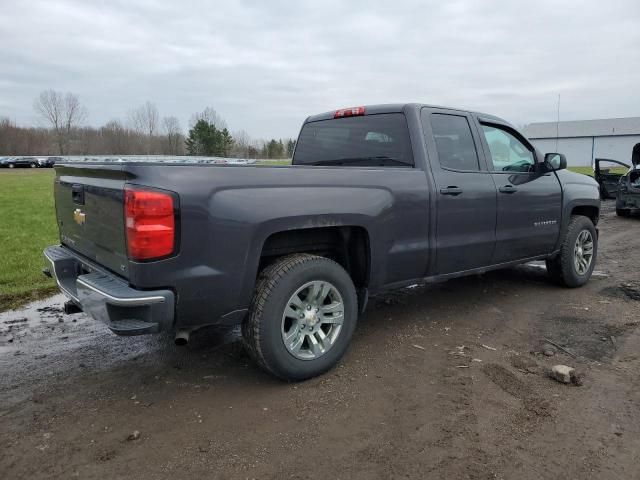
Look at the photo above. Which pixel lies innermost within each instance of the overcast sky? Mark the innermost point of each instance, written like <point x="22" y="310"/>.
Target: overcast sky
<point x="266" y="65"/>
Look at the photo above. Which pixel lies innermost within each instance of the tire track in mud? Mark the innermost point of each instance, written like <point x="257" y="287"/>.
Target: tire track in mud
<point x="515" y="387"/>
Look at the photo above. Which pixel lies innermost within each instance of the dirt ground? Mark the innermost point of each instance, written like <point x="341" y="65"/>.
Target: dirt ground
<point x="442" y="381"/>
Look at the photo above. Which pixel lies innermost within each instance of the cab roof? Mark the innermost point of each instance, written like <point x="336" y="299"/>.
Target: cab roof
<point x="399" y="108"/>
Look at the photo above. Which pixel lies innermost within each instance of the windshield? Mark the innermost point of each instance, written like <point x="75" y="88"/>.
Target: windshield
<point x="369" y="140"/>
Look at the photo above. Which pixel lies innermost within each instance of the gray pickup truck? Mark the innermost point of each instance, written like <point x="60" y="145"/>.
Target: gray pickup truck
<point x="378" y="197"/>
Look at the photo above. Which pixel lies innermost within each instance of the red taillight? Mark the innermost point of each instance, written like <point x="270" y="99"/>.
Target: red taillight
<point x="349" y="112"/>
<point x="150" y="224"/>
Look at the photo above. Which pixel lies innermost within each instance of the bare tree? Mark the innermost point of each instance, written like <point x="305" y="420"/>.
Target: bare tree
<point x="8" y="136"/>
<point x="115" y="139"/>
<point x="145" y="120"/>
<point x="241" y="144"/>
<point x="63" y="112"/>
<point x="211" y="116"/>
<point x="173" y="133"/>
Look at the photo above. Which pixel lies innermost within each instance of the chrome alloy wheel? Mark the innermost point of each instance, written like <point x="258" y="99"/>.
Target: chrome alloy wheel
<point x="583" y="252"/>
<point x="312" y="320"/>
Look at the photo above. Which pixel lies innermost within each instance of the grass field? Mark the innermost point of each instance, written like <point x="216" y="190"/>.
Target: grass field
<point x="273" y="162"/>
<point x="27" y="225"/>
<point x="583" y="170"/>
<point x="589" y="170"/>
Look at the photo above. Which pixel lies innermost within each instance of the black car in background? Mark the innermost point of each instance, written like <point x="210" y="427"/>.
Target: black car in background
<point x="623" y="186"/>
<point x="15" y="162"/>
<point x="48" y="162"/>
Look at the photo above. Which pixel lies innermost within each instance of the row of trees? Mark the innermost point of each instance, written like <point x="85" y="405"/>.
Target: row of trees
<point x="144" y="132"/>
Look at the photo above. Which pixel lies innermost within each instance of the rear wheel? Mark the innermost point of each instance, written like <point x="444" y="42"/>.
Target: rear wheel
<point x="623" y="212"/>
<point x="302" y="317"/>
<point x="577" y="259"/>
<point x="33" y="165"/>
<point x="11" y="165"/>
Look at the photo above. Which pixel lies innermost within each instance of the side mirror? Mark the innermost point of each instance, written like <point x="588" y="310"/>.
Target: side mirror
<point x="557" y="161"/>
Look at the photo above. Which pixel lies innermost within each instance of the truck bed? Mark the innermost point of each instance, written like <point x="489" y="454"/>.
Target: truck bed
<point x="227" y="213"/>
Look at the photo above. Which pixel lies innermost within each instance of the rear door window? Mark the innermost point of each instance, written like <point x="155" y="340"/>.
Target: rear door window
<point x="369" y="140"/>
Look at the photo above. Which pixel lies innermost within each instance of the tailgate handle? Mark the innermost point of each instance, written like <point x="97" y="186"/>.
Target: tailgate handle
<point x="77" y="194"/>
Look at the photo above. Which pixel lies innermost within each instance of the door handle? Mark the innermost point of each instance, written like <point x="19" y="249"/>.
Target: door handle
<point x="451" y="190"/>
<point x="508" y="189"/>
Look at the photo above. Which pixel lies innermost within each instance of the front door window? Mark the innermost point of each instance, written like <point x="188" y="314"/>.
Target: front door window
<point x="508" y="154"/>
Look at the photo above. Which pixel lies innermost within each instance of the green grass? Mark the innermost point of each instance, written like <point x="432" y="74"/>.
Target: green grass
<point x="589" y="170"/>
<point x="583" y="170"/>
<point x="27" y="225"/>
<point x="285" y="161"/>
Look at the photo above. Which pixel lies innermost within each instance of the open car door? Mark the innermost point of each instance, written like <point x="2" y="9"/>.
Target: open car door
<point x="607" y="179"/>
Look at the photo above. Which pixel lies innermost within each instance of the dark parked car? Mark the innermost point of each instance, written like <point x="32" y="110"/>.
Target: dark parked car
<point x="378" y="197"/>
<point x="628" y="194"/>
<point x="14" y="162"/>
<point x="48" y="162"/>
<point x="623" y="185"/>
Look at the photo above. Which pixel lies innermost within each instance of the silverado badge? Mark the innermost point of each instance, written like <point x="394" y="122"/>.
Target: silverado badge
<point x="79" y="216"/>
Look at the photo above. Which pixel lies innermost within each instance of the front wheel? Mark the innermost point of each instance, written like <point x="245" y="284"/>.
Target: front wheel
<point x="623" y="212"/>
<point x="577" y="259"/>
<point x="302" y="317"/>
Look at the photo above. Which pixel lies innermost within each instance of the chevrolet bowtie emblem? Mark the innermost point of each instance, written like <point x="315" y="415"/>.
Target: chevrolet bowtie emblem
<point x="79" y="216"/>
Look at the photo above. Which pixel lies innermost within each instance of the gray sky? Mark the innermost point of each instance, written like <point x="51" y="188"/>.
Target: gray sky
<point x="266" y="65"/>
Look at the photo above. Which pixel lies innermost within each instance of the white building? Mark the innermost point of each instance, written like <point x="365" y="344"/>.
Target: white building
<point x="584" y="140"/>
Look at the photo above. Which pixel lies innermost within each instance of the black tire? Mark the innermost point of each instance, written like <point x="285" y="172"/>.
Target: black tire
<point x="623" y="212"/>
<point x="261" y="329"/>
<point x="562" y="268"/>
<point x="11" y="165"/>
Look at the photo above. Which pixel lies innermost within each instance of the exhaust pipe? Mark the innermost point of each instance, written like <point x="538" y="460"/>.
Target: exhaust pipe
<point x="182" y="337"/>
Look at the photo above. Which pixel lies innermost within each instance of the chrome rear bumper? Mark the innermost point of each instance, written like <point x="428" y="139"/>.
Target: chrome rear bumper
<point x="107" y="298"/>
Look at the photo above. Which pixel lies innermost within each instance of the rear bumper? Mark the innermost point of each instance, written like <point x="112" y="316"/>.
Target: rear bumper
<point x="107" y="298"/>
<point x="628" y="199"/>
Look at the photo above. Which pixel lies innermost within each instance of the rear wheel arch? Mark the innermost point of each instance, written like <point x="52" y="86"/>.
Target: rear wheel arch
<point x="348" y="245"/>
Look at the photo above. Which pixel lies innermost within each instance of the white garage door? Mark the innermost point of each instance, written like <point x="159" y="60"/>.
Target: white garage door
<point x="615" y="148"/>
<point x="577" y="150"/>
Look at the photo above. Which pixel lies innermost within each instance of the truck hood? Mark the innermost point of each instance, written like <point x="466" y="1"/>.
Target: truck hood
<point x="567" y="177"/>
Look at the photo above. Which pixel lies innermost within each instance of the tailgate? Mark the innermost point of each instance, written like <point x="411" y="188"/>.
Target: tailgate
<point x="90" y="213"/>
